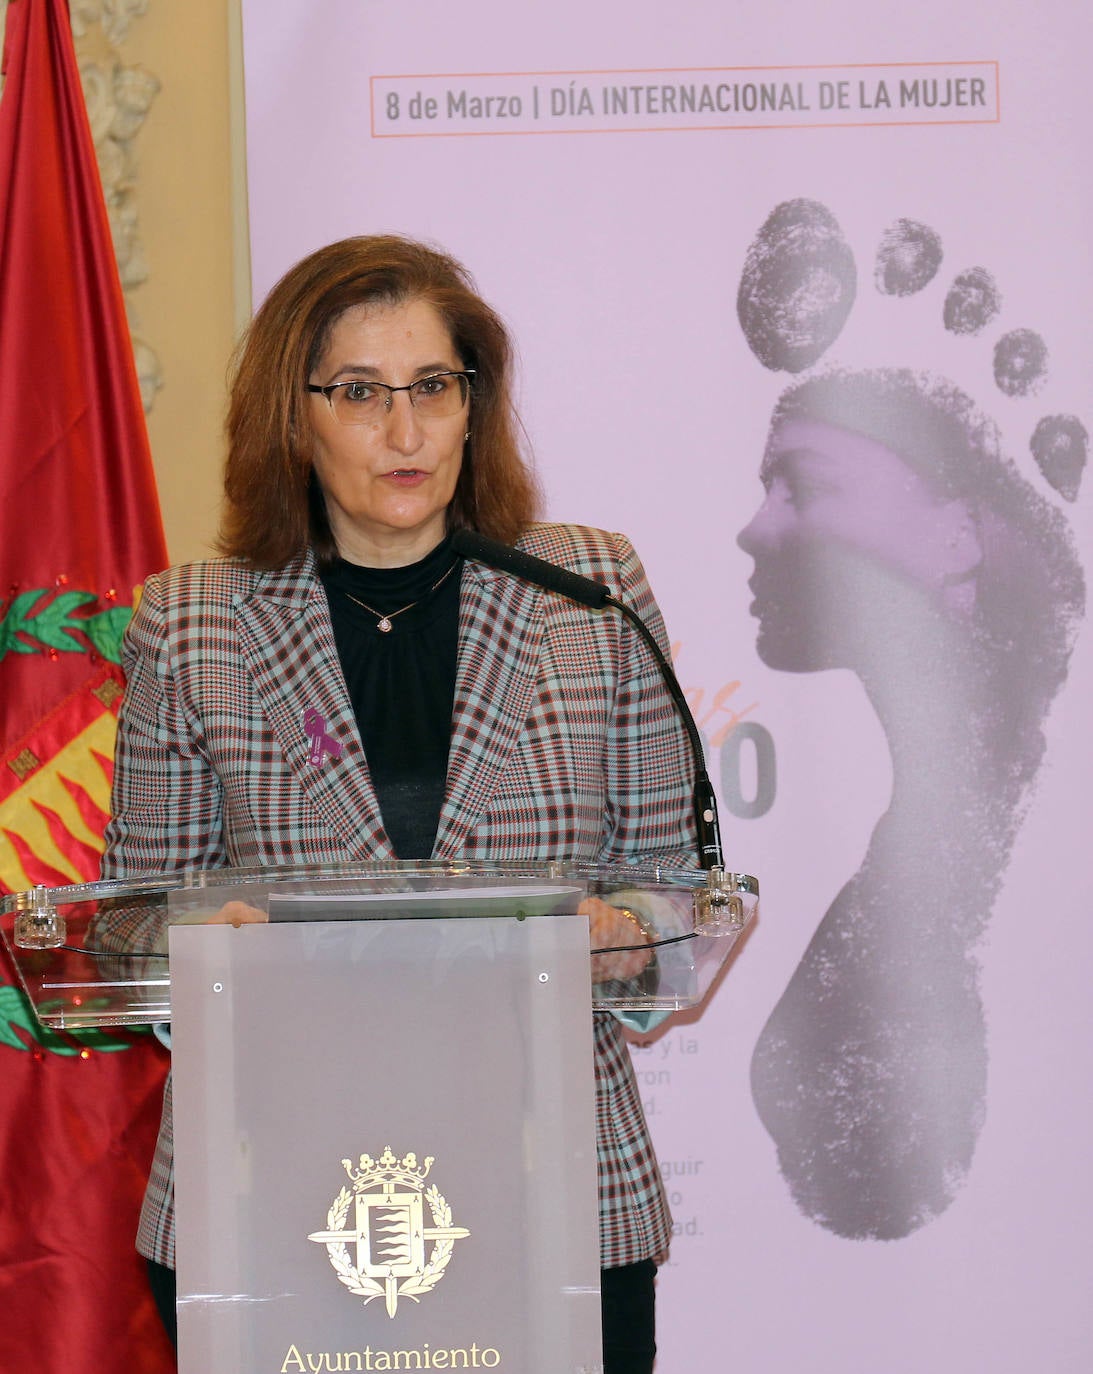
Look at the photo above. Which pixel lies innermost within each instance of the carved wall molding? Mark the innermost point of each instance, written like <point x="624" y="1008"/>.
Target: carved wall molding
<point x="118" y="98"/>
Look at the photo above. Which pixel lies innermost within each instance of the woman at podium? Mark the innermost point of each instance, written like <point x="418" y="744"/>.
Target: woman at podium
<point x="341" y="686"/>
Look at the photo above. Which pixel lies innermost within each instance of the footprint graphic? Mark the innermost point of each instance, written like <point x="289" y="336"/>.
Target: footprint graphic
<point x="897" y="538"/>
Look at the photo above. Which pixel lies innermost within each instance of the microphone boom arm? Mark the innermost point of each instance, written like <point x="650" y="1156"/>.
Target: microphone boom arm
<point x="705" y="802"/>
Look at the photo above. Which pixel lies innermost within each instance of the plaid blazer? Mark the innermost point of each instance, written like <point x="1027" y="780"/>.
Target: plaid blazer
<point x="565" y="745"/>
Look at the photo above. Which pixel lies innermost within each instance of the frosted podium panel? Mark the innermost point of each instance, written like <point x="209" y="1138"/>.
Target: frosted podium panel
<point x="384" y="1136"/>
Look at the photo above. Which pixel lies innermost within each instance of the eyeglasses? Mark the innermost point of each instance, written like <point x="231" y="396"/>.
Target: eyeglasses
<point x="358" y="402"/>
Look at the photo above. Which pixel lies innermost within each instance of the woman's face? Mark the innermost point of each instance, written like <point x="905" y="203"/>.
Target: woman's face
<point x="847" y="530"/>
<point x="388" y="482"/>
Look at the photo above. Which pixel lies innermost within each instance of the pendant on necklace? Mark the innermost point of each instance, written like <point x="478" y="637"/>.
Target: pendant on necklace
<point x="384" y="621"/>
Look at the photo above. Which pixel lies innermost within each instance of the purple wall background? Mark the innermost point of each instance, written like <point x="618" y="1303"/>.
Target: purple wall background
<point x="617" y="258"/>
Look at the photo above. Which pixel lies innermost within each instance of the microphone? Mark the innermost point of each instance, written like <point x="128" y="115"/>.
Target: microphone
<point x="588" y="592"/>
<point x="524" y="565"/>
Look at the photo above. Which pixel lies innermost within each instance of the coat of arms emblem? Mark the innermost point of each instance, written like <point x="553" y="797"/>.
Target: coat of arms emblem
<point x="389" y="1234"/>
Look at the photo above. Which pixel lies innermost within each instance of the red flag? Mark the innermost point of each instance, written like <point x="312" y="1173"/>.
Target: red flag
<point x="79" y="530"/>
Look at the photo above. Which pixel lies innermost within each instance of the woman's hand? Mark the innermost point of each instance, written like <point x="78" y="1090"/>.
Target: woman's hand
<point x="609" y="926"/>
<point x="236" y="914"/>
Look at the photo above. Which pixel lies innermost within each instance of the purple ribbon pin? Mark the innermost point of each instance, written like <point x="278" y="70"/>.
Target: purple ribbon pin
<point x="321" y="742"/>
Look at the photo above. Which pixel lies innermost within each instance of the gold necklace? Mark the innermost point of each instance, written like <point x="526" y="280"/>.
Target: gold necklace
<point x="384" y="625"/>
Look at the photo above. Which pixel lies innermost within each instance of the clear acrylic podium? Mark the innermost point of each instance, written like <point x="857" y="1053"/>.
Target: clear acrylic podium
<point x="383" y="1091"/>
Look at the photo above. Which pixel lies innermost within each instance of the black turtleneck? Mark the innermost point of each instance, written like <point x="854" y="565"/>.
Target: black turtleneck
<point x="402" y="683"/>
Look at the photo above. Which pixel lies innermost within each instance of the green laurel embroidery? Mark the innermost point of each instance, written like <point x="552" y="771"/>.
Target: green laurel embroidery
<point x="19" y="1030"/>
<point x="55" y="626"/>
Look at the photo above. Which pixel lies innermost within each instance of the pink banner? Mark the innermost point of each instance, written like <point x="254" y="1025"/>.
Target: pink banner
<point x="802" y="307"/>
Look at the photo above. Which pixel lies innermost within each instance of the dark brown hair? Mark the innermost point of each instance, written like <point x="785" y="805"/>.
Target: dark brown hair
<point x="273" y="505"/>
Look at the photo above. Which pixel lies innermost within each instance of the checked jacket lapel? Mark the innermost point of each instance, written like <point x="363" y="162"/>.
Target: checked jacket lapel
<point x="500" y="629"/>
<point x="288" y="645"/>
